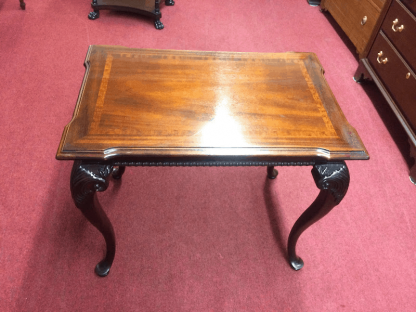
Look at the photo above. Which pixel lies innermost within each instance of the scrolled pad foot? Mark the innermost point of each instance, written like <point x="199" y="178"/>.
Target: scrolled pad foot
<point x="94" y="15"/>
<point x="158" y="24"/>
<point x="296" y="263"/>
<point x="169" y="2"/>
<point x="271" y="172"/>
<point x="103" y="268"/>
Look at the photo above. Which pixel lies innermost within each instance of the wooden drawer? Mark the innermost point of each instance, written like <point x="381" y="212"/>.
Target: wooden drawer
<point x="411" y="5"/>
<point x="357" y="18"/>
<point x="404" y="40"/>
<point x="396" y="76"/>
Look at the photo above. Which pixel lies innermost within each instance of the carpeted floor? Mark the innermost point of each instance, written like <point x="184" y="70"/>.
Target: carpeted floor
<point x="193" y="239"/>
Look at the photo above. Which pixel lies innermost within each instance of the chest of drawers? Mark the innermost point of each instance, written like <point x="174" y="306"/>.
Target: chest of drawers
<point x="390" y="61"/>
<point x="357" y="18"/>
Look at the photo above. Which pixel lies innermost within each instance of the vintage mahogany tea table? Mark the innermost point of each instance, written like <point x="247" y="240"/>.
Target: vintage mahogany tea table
<point x="188" y="108"/>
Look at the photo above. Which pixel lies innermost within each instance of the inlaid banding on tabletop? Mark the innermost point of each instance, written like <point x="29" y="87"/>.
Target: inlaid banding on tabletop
<point x="193" y="100"/>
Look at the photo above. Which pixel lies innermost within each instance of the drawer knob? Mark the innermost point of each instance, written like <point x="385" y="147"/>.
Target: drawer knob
<point x="397" y="29"/>
<point x="407" y="75"/>
<point x="381" y="61"/>
<point x="364" y="20"/>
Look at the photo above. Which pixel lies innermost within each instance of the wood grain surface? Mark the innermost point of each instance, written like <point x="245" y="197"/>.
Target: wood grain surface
<point x="138" y="103"/>
<point x="350" y="16"/>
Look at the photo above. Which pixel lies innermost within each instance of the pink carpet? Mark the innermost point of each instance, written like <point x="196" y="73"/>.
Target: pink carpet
<point x="193" y="239"/>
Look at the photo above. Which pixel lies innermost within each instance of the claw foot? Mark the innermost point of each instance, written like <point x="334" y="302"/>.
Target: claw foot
<point x="94" y="15"/>
<point x="158" y="24"/>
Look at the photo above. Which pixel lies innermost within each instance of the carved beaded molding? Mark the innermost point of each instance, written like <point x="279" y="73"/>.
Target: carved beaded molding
<point x="212" y="163"/>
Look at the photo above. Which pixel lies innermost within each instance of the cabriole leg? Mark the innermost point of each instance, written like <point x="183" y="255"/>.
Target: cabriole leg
<point x="333" y="180"/>
<point x="86" y="180"/>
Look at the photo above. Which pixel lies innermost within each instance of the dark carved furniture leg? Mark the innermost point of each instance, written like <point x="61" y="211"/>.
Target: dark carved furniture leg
<point x="158" y="23"/>
<point x="361" y="73"/>
<point x="412" y="174"/>
<point x="333" y="180"/>
<point x="118" y="172"/>
<point x="22" y="4"/>
<point x="96" y="13"/>
<point x="169" y="2"/>
<point x="86" y="180"/>
<point x="314" y="2"/>
<point x="271" y="172"/>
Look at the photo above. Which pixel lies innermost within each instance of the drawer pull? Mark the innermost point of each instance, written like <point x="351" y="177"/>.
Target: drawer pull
<point x="407" y="75"/>
<point x="380" y="54"/>
<point x="364" y="20"/>
<point x="398" y="29"/>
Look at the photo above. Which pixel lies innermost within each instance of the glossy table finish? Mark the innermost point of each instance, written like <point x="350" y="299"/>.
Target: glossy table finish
<point x="188" y="108"/>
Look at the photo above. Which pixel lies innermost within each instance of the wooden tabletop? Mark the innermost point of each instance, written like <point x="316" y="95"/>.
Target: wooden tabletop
<point x="136" y="103"/>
